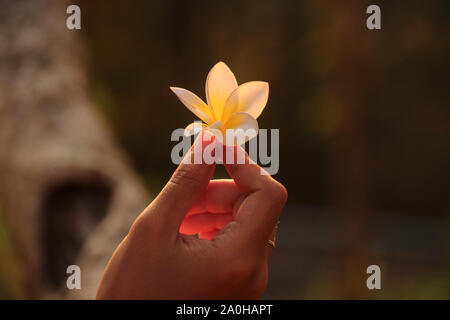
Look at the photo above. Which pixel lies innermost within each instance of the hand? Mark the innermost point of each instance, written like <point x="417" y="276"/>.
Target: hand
<point x="156" y="261"/>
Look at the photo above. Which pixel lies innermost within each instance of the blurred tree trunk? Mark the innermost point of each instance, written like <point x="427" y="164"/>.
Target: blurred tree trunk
<point x="66" y="190"/>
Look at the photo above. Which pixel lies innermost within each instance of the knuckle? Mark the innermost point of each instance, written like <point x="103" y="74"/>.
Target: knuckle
<point x="140" y="227"/>
<point x="277" y="192"/>
<point x="144" y="227"/>
<point x="183" y="175"/>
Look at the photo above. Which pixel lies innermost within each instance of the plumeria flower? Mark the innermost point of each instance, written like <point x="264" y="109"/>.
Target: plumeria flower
<point x="229" y="107"/>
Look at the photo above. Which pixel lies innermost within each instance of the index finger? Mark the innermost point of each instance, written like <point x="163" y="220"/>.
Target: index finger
<point x="265" y="198"/>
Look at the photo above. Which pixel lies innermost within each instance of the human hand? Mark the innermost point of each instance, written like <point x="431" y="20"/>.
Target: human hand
<point x="159" y="259"/>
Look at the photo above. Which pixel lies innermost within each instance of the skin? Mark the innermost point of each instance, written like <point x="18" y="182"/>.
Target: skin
<point x="160" y="259"/>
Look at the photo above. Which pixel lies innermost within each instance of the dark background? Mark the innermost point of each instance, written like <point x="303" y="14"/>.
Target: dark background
<point x="376" y="100"/>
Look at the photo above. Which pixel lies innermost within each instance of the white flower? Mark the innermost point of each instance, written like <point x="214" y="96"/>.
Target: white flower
<point x="230" y="107"/>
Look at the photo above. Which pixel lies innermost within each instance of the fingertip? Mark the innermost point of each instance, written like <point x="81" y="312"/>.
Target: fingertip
<point x="207" y="136"/>
<point x="204" y="139"/>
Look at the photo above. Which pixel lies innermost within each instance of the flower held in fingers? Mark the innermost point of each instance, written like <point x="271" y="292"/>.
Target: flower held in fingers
<point x="229" y="108"/>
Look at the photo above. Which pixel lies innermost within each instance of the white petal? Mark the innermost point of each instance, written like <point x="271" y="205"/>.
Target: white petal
<point x="220" y="82"/>
<point x="194" y="128"/>
<point x="197" y="127"/>
<point x="250" y="97"/>
<point x="240" y="128"/>
<point x="193" y="103"/>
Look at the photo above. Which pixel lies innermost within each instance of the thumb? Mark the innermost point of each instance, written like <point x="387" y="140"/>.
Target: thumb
<point x="186" y="185"/>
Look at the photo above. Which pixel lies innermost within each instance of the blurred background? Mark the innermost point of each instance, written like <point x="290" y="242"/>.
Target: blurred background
<point x="86" y="118"/>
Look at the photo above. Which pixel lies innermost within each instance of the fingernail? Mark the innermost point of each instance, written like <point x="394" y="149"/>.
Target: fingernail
<point x="197" y="150"/>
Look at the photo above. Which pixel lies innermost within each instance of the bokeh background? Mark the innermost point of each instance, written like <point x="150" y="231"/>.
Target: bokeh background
<point x="364" y="123"/>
